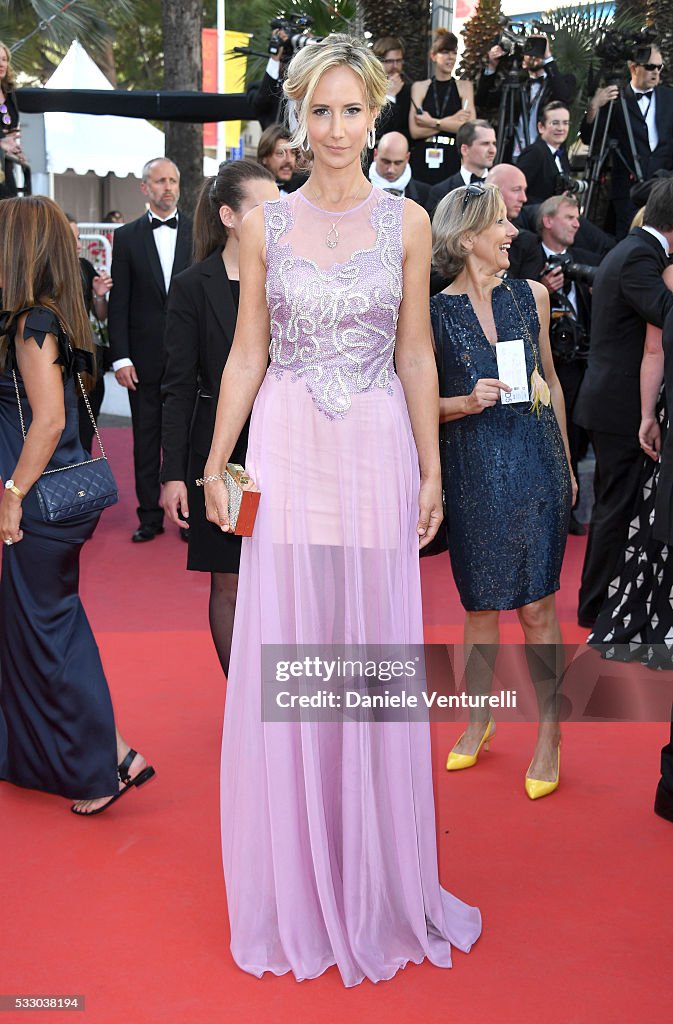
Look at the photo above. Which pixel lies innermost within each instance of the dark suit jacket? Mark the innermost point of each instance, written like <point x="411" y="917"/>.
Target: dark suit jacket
<point x="395" y="116"/>
<point x="623" y="178"/>
<point x="441" y="189"/>
<point x="418" y="191"/>
<point x="489" y="92"/>
<point x="538" y="164"/>
<point x="582" y="291"/>
<point x="200" y="325"/>
<point x="628" y="293"/>
<point x="138" y="300"/>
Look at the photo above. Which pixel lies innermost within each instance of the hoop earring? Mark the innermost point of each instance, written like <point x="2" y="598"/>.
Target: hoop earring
<point x="371" y="138"/>
<point x="305" y="146"/>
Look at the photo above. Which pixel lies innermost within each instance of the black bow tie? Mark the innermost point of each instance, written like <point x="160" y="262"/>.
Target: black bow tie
<point x="475" y="177"/>
<point x="155" y="223"/>
<point x="644" y="95"/>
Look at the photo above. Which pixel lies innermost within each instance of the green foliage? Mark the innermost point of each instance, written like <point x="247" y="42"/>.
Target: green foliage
<point x="573" y="44"/>
<point x="40" y="55"/>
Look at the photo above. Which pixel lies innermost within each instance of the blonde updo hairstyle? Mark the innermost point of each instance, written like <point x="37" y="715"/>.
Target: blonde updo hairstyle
<point x="308" y="66"/>
<point x="454" y="218"/>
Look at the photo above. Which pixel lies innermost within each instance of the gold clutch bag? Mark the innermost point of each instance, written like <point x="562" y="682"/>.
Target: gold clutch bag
<point x="244" y="495"/>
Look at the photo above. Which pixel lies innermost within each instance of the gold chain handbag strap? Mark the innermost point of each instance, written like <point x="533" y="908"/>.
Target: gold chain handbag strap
<point x="86" y="462"/>
<point x="523" y="321"/>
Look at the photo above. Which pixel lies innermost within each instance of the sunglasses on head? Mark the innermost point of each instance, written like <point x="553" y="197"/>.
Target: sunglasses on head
<point x="652" y="67"/>
<point x="471" y="191"/>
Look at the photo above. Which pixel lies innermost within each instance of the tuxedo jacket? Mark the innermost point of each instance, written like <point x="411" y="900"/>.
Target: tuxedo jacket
<point x="623" y="177"/>
<point x="200" y="325"/>
<point x="538" y="164"/>
<point x="138" y="299"/>
<point x="628" y="293"/>
<point x="441" y="189"/>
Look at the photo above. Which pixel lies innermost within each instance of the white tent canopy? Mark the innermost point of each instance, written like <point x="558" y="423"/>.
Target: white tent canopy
<point x="88" y="142"/>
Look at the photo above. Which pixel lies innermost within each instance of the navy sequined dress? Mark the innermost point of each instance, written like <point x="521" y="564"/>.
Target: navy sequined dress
<point x="505" y="472"/>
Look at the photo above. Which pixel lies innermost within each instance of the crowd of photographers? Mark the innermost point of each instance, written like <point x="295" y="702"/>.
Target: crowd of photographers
<point x="510" y="127"/>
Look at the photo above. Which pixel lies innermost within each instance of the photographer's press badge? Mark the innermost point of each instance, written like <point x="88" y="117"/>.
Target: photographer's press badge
<point x="434" y="158"/>
<point x="511" y="358"/>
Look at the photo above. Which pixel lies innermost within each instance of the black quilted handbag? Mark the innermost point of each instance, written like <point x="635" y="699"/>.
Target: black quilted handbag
<point x="74" y="490"/>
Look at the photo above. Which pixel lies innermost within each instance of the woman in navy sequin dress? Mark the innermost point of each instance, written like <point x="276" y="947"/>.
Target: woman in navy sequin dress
<point x="507" y="480"/>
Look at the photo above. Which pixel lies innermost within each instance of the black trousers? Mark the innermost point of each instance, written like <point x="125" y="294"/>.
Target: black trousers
<point x="618" y="465"/>
<point x="146" y="419"/>
<point x="570" y="377"/>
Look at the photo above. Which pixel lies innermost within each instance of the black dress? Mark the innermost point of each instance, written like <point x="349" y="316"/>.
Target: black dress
<point x="441" y="100"/>
<point x="57" y="731"/>
<point x="505" y="472"/>
<point x="635" y="622"/>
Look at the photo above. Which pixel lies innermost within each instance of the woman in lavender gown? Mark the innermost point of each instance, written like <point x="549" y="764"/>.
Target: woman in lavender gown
<point x="328" y="827"/>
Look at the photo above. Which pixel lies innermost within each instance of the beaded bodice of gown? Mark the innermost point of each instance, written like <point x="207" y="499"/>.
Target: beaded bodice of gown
<point x="334" y="310"/>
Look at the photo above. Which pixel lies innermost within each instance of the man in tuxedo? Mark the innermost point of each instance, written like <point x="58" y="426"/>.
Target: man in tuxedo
<point x="146" y="254"/>
<point x="649" y="108"/>
<point x="275" y="153"/>
<point x="390" y="169"/>
<point x="544" y="83"/>
<point x="546" y="158"/>
<point x="475" y="141"/>
<point x="628" y="293"/>
<point x="558" y="222"/>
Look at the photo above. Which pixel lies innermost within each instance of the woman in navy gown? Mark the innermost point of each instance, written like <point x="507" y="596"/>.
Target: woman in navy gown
<point x="57" y="729"/>
<point x="506" y="467"/>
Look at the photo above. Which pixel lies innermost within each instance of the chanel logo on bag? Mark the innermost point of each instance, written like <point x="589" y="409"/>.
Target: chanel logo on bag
<point x="80" y="494"/>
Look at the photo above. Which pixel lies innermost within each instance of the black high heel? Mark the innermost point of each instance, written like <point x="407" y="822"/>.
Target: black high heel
<point x="127" y="783"/>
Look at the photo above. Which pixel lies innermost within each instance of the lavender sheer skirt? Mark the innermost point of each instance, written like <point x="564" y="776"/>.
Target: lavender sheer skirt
<point x="328" y="829"/>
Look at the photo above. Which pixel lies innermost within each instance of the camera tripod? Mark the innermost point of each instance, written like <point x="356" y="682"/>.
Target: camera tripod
<point x="596" y="159"/>
<point x="514" y="103"/>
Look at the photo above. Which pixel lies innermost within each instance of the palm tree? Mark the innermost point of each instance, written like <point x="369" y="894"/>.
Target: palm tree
<point x="409" y="20"/>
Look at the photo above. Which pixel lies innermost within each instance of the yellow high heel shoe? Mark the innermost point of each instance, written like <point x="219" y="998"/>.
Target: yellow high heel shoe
<point x="536" y="788"/>
<point x="455" y="762"/>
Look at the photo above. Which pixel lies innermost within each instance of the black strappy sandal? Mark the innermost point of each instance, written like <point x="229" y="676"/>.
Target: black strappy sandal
<point x="127" y="782"/>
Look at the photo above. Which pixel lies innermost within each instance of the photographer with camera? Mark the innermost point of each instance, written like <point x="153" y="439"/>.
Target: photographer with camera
<point x="542" y="83"/>
<point x="287" y="36"/>
<point x="567" y="276"/>
<point x="648" y="106"/>
<point x="545" y="159"/>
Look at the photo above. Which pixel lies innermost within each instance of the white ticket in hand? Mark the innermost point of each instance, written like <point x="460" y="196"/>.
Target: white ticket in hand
<point x="511" y="357"/>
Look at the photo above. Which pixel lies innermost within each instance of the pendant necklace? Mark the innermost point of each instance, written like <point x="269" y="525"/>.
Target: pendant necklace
<point x="332" y="236"/>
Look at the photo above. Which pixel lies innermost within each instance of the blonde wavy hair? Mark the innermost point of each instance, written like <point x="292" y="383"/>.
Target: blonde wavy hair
<point x="456" y="217"/>
<point x="310" y="63"/>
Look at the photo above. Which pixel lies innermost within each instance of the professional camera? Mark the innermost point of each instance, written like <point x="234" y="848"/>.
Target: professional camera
<point x="566" y="184"/>
<point x="580" y="273"/>
<point x="568" y="339"/>
<point x="516" y="43"/>
<point x="297" y="28"/>
<point x="614" y="49"/>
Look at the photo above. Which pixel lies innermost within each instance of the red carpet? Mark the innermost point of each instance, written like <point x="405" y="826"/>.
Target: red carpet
<point x="128" y="909"/>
